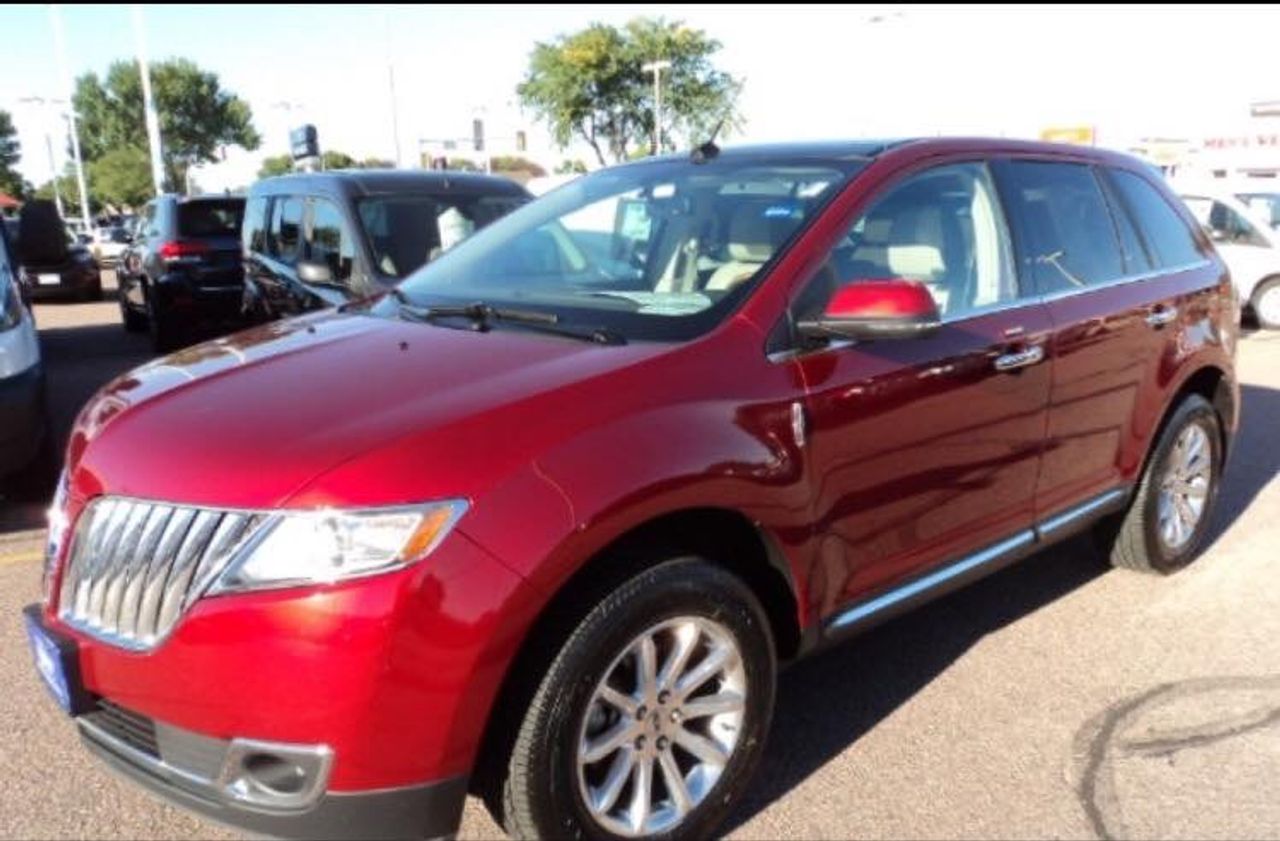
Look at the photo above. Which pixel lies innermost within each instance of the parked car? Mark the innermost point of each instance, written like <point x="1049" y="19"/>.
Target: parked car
<point x="322" y="239"/>
<point x="543" y="521"/>
<point x="1251" y="250"/>
<point x="24" y="428"/>
<point x="182" y="272"/>
<point x="55" y="265"/>
<point x="109" y="243"/>
<point x="1264" y="205"/>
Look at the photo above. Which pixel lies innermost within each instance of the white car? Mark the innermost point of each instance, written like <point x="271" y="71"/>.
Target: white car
<point x="1251" y="250"/>
<point x="23" y="425"/>
<point x="109" y="244"/>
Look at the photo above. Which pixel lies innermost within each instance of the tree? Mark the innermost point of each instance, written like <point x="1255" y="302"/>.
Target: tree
<point x="592" y="85"/>
<point x="461" y="165"/>
<point x="197" y="117"/>
<point x="70" y="194"/>
<point x="377" y="163"/>
<point x="337" y="160"/>
<point x="11" y="181"/>
<point x="122" y="177"/>
<point x="275" y="165"/>
<point x="515" y="167"/>
<point x="574" y="167"/>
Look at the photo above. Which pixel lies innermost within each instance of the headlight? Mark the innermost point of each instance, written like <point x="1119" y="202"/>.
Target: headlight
<point x="319" y="547"/>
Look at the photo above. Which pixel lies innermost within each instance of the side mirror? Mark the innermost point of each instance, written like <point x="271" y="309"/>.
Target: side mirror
<point x="313" y="272"/>
<point x="876" y="309"/>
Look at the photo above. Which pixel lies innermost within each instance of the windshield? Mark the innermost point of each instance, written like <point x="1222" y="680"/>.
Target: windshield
<point x="658" y="250"/>
<point x="404" y="232"/>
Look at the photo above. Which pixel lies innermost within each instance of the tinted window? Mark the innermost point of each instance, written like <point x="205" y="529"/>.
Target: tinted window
<point x="1137" y="257"/>
<point x="1067" y="239"/>
<point x="942" y="227"/>
<point x="210" y="218"/>
<point x="286" y="229"/>
<point x="408" y="231"/>
<point x="254" y="233"/>
<point x="1223" y="223"/>
<point x="149" y="221"/>
<point x="330" y="243"/>
<point x="1171" y="242"/>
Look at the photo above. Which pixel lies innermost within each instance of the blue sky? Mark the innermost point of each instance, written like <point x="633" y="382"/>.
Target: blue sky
<point x="810" y="72"/>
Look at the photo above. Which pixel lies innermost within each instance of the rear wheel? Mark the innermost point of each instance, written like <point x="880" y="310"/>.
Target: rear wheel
<point x="164" y="333"/>
<point x="134" y="321"/>
<point x="1266" y="304"/>
<point x="652" y="716"/>
<point x="1169" y="517"/>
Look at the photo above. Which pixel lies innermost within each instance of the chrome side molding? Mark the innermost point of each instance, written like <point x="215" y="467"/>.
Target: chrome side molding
<point x="942" y="580"/>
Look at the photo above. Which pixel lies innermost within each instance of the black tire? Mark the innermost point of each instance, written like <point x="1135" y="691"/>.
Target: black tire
<point x="1132" y="540"/>
<point x="165" y="336"/>
<point x="1268" y="287"/>
<point x="134" y="321"/>
<point x="94" y="291"/>
<point x="539" y="793"/>
<point x="35" y="482"/>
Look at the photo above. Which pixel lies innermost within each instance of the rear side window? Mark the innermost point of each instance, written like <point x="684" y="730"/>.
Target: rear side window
<point x="1067" y="238"/>
<point x="254" y="232"/>
<point x="210" y="218"/>
<point x="1170" y="240"/>
<point x="286" y="230"/>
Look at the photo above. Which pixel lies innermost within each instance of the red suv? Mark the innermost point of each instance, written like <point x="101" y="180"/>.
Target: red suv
<point x="541" y="522"/>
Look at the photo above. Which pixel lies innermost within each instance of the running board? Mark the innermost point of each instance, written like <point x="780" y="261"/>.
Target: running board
<point x="925" y="588"/>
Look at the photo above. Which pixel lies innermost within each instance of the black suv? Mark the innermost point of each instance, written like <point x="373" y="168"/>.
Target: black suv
<point x="183" y="269"/>
<point x="320" y="239"/>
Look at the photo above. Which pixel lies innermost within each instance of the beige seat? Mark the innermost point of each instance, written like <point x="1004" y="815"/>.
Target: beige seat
<point x="753" y="237"/>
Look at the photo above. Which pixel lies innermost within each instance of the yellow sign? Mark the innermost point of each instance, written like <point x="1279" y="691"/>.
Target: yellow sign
<point x="1079" y="135"/>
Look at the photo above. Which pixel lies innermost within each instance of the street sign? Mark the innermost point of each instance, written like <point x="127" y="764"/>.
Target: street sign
<point x="304" y="142"/>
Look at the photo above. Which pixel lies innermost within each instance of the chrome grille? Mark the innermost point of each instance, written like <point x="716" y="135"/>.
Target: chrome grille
<point x="135" y="566"/>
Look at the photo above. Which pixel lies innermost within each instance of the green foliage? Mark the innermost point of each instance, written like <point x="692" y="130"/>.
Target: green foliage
<point x="70" y="194"/>
<point x="377" y="163"/>
<point x="462" y="165"/>
<point x="197" y="117"/>
<point x="592" y="85"/>
<point x="11" y="181"/>
<point x="121" y="177"/>
<point x="514" y="164"/>
<point x="337" y="160"/>
<point x="574" y="167"/>
<point x="275" y="165"/>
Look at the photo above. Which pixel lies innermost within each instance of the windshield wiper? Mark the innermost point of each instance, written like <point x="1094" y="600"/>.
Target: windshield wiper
<point x="483" y="316"/>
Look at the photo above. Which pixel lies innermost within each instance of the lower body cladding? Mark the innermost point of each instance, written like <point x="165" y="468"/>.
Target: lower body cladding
<point x="22" y="418"/>
<point x="352" y="710"/>
<point x="264" y="787"/>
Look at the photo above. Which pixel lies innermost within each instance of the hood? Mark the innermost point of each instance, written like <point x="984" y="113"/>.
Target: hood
<point x="252" y="419"/>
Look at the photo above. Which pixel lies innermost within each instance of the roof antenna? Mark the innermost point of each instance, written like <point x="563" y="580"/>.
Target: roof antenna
<point x="708" y="150"/>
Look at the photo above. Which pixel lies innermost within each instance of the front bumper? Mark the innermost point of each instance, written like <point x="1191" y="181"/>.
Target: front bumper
<point x="195" y="772"/>
<point x="22" y="418"/>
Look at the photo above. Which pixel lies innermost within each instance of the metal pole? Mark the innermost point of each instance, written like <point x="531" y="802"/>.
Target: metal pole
<point x="57" y="193"/>
<point x="56" y="18"/>
<point x="391" y="83"/>
<point x="656" y="68"/>
<point x="148" y="104"/>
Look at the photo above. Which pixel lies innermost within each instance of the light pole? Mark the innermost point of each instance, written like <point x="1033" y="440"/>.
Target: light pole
<point x="48" y="142"/>
<point x="55" y="18"/>
<point x="148" y="104"/>
<point x="656" y="68"/>
<point x="391" y="84"/>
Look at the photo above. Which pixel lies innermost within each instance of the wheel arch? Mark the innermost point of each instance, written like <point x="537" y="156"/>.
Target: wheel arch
<point x="725" y="537"/>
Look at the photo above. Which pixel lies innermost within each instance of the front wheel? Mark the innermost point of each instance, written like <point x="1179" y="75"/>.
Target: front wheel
<point x="1266" y="304"/>
<point x="652" y="716"/>
<point x="1169" y="517"/>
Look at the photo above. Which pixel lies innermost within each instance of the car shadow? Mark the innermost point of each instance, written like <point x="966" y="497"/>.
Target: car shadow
<point x="827" y="702"/>
<point x="1254" y="459"/>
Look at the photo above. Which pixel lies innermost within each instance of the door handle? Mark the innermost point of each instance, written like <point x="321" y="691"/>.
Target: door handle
<point x="1160" y="316"/>
<point x="1020" y="359"/>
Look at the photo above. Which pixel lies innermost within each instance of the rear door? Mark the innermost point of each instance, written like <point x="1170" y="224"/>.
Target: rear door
<point x="1114" y="313"/>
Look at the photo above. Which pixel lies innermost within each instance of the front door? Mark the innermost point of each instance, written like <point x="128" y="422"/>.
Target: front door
<point x="925" y="450"/>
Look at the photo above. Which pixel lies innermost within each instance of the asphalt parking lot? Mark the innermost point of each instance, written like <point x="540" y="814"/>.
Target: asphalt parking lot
<point x="1055" y="699"/>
